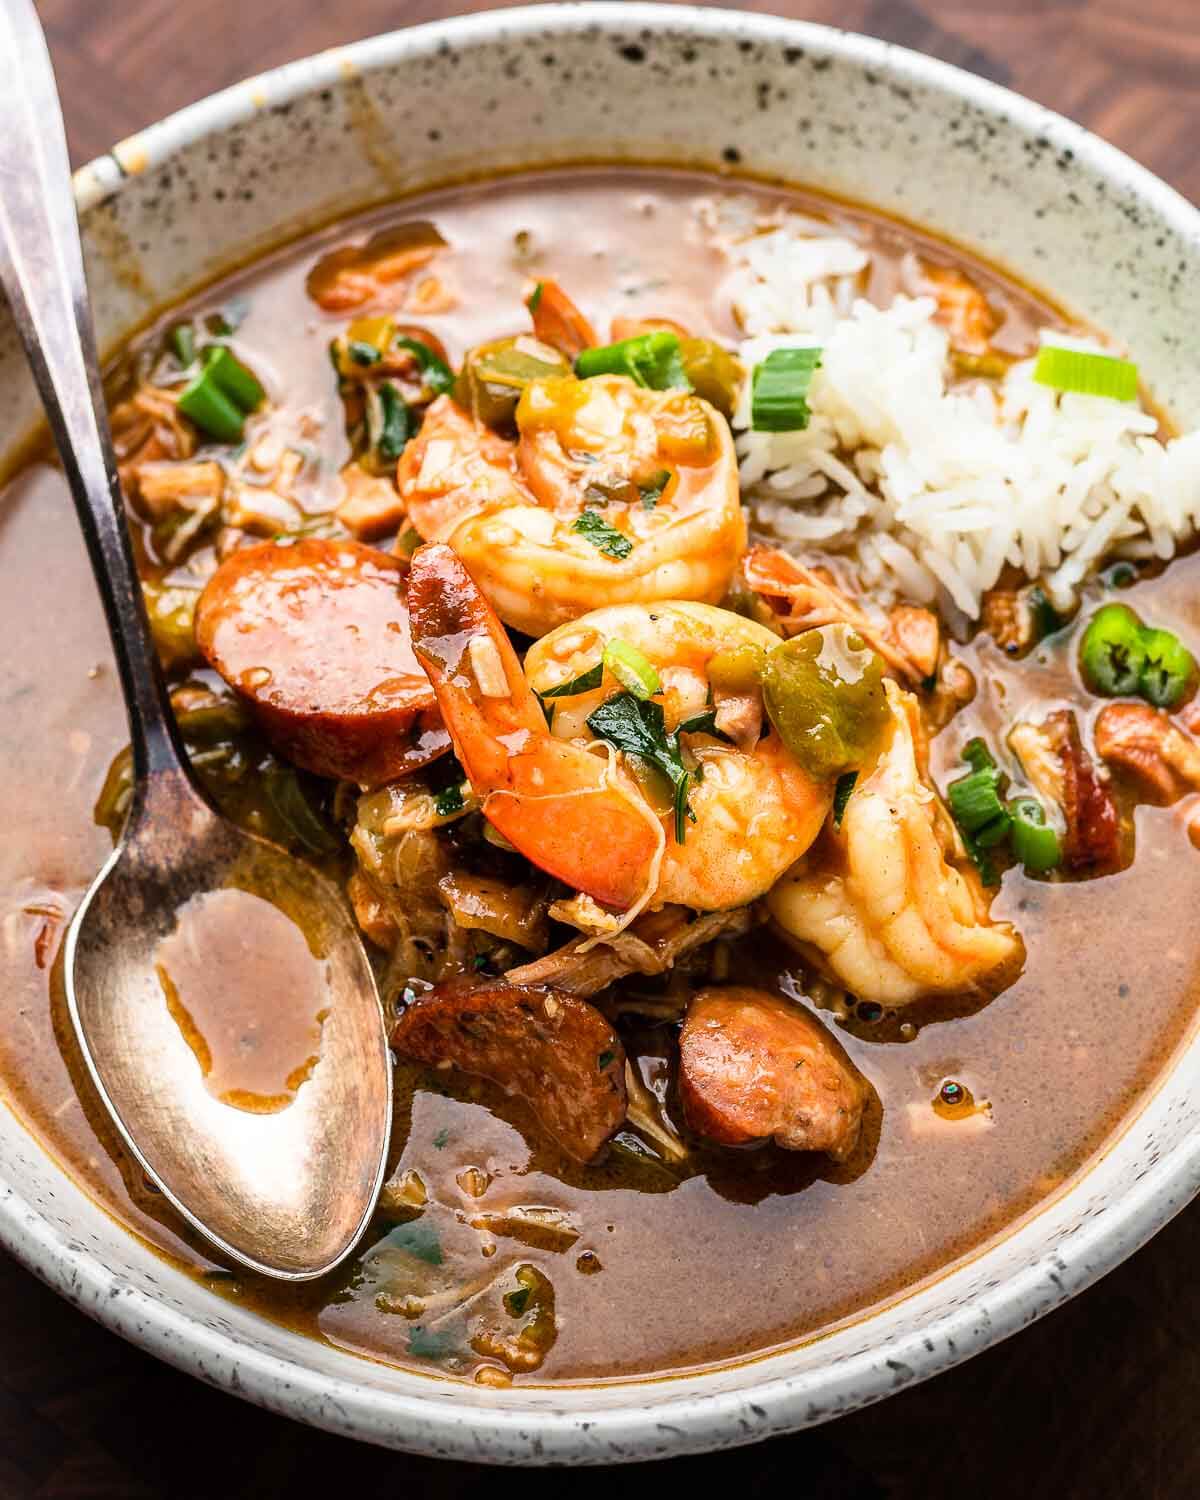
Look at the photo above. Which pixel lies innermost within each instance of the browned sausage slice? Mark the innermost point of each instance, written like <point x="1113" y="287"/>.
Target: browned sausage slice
<point x="753" y="1066"/>
<point x="549" y="1048"/>
<point x="315" y="637"/>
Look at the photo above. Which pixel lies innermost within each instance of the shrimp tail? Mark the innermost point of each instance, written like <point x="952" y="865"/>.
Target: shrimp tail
<point x="558" y="805"/>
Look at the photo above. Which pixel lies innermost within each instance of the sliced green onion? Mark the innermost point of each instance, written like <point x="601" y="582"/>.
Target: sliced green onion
<point x="977" y="755"/>
<point x="205" y="404"/>
<point x="534" y="298"/>
<point x="233" y="378"/>
<point x="183" y="343"/>
<point x="584" y="683"/>
<point x="1034" y="843"/>
<point x="605" y="538"/>
<point x="633" y="670"/>
<point x="974" y="800"/>
<point x="361" y="352"/>
<point x="651" y="359"/>
<point x="1086" y="374"/>
<point x="779" y="390"/>
<point x="841" y="795"/>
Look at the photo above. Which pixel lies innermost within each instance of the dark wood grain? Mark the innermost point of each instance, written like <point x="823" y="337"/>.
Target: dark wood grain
<point x="1097" y="1402"/>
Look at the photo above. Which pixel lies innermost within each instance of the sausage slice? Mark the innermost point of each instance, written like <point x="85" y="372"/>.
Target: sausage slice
<point x="549" y="1048"/>
<point x="315" y="637"/>
<point x="753" y="1066"/>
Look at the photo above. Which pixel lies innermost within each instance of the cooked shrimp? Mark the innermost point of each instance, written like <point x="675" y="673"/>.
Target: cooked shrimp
<point x="880" y="904"/>
<point x="571" y="802"/>
<point x="611" y="493"/>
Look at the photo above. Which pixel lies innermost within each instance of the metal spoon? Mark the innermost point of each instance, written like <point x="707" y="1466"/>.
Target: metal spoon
<point x="286" y="1193"/>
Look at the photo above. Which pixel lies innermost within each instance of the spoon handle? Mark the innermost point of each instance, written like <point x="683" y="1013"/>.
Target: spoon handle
<point x="41" y="270"/>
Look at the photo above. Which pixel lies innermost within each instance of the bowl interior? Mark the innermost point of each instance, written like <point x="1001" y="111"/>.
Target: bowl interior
<point x="237" y="174"/>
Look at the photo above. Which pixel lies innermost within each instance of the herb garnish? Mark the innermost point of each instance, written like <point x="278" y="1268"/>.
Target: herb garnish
<point x="841" y="795"/>
<point x="605" y="1060"/>
<point x="605" y="538"/>
<point x="449" y="801"/>
<point x="437" y="374"/>
<point x="361" y="352"/>
<point x="396" y="423"/>
<point x="636" y="726"/>
<point x="651" y="490"/>
<point x="584" y="683"/>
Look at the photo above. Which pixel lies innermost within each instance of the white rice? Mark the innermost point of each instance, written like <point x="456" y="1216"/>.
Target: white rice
<point x="932" y="489"/>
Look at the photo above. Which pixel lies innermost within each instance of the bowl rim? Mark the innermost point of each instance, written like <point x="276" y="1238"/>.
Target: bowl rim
<point x="439" y="1419"/>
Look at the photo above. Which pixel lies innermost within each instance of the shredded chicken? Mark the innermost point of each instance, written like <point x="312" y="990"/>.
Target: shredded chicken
<point x="803" y="598"/>
<point x="1144" y="742"/>
<point x="148" y="427"/>
<point x="652" y="945"/>
<point x="371" y="506"/>
<point x="1059" y="767"/>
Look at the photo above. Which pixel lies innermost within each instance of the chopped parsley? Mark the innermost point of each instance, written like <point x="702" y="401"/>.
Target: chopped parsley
<point x="436" y="373"/>
<point x="584" y="683"/>
<point x="841" y="795"/>
<point x="636" y="727"/>
<point x="605" y="538"/>
<point x="439" y="1140"/>
<point x="448" y="801"/>
<point x="651" y="490"/>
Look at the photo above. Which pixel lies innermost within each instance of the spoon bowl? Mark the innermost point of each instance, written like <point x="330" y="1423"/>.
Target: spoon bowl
<point x="284" y="1185"/>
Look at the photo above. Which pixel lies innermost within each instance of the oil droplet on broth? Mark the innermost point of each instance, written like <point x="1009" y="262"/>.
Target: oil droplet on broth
<point x="249" y="998"/>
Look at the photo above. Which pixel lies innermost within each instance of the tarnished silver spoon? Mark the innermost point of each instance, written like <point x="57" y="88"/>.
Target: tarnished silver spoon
<point x="220" y="992"/>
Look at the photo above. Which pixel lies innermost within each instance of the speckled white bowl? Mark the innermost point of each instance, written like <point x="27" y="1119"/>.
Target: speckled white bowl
<point x="239" y="172"/>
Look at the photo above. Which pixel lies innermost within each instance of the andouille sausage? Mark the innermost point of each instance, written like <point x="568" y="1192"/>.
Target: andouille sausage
<point x="314" y="635"/>
<point x="549" y="1048"/>
<point x="752" y="1066"/>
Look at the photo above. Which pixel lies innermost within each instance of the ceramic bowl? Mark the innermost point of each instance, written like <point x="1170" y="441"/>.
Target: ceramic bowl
<point x="238" y="173"/>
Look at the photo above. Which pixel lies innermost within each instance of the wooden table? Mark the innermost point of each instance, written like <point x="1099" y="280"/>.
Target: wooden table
<point x="1098" y="1401"/>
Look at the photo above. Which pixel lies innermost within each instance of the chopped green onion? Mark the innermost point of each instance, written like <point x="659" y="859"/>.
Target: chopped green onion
<point x="607" y="539"/>
<point x="632" y="669"/>
<point x="233" y="378"/>
<point x="841" y="795"/>
<point x="183" y="343"/>
<point x="977" y="755"/>
<point x="362" y="353"/>
<point x="974" y="801"/>
<point x="779" y="390"/>
<point x="1035" y="844"/>
<point x="584" y="683"/>
<point x="437" y="374"/>
<point x="1086" y="374"/>
<point x="205" y="404"/>
<point x="534" y="298"/>
<point x="650" y="359"/>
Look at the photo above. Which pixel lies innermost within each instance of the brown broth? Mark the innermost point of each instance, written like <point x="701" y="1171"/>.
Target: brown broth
<point x="652" y="1270"/>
